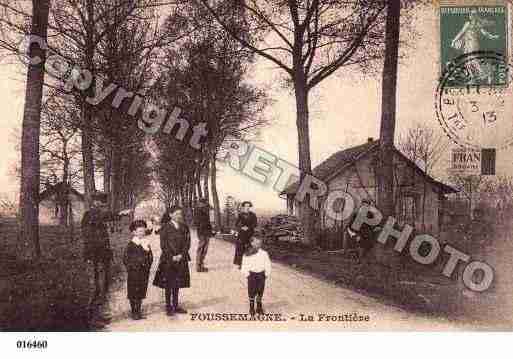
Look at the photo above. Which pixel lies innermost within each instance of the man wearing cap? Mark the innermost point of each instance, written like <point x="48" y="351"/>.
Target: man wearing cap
<point x="204" y="229"/>
<point x="96" y="237"/>
<point x="173" y="270"/>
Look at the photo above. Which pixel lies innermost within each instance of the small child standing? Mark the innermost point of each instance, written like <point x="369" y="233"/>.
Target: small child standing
<point x="137" y="258"/>
<point x="256" y="267"/>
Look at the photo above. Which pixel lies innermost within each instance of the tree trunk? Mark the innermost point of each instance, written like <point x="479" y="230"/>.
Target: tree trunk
<point x="71" y="220"/>
<point x="206" y="191"/>
<point x="386" y="200"/>
<point x="388" y="110"/>
<point x="306" y="213"/>
<point x="64" y="202"/>
<point x="181" y="196"/>
<point x="117" y="178"/>
<point x="87" y="112"/>
<point x="29" y="246"/>
<point x="87" y="158"/>
<point x="107" y="169"/>
<point x="198" y="185"/>
<point x="215" y="196"/>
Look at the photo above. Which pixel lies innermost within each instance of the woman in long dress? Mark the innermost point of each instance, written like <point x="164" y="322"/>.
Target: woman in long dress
<point x="173" y="270"/>
<point x="245" y="225"/>
<point x="468" y="41"/>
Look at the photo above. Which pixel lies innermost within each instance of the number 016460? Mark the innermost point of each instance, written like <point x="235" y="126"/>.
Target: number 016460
<point x="31" y="344"/>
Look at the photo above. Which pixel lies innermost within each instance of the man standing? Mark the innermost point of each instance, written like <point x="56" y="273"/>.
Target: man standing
<point x="173" y="270"/>
<point x="364" y="237"/>
<point x="96" y="238"/>
<point x="246" y="224"/>
<point x="204" y="229"/>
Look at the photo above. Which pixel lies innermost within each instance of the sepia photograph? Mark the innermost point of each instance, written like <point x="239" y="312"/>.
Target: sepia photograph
<point x="255" y="166"/>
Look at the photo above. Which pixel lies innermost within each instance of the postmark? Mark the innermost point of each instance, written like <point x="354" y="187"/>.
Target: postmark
<point x="470" y="29"/>
<point x="476" y="116"/>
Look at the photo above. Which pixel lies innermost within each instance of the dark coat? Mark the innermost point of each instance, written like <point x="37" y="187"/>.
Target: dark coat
<point x="138" y="263"/>
<point x="95" y="234"/>
<point x="202" y="221"/>
<point x="171" y="274"/>
<point x="366" y="233"/>
<point x="244" y="237"/>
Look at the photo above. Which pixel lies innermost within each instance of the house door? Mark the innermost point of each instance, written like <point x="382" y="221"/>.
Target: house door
<point x="408" y="210"/>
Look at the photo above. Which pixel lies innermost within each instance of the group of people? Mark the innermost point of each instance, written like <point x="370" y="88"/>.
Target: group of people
<point x="175" y="241"/>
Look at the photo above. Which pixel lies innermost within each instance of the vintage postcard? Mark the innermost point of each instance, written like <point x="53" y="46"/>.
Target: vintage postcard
<point x="201" y="165"/>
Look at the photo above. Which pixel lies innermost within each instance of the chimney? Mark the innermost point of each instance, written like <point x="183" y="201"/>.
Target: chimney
<point x="370" y="139"/>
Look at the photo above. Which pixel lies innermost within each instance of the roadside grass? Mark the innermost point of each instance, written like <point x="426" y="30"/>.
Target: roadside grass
<point x="55" y="292"/>
<point x="50" y="294"/>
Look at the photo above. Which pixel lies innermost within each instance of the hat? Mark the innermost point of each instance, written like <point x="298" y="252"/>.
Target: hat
<point x="245" y="203"/>
<point x="138" y="223"/>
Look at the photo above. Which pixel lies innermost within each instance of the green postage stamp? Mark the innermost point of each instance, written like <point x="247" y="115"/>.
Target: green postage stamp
<point x="474" y="31"/>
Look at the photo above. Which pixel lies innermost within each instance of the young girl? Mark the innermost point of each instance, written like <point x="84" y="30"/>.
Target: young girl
<point x="256" y="267"/>
<point x="137" y="258"/>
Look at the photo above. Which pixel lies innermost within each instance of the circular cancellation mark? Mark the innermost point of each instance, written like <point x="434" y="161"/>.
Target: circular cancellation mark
<point x="474" y="103"/>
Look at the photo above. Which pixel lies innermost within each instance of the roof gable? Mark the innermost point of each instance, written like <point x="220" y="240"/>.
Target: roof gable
<point x="335" y="163"/>
<point x="59" y="189"/>
<point x="339" y="161"/>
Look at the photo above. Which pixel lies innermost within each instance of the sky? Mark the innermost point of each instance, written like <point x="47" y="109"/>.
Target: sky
<point x="345" y="111"/>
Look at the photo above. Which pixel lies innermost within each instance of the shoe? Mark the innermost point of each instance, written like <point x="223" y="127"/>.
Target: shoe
<point x="180" y="310"/>
<point x="137" y="316"/>
<point x="170" y="312"/>
<point x="202" y="269"/>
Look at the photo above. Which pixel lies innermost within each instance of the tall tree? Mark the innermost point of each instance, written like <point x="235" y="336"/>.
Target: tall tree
<point x="388" y="109"/>
<point x="309" y="40"/>
<point x="30" y="164"/>
<point x="205" y="77"/>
